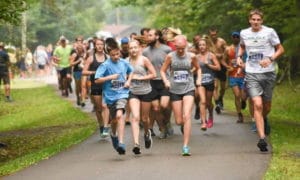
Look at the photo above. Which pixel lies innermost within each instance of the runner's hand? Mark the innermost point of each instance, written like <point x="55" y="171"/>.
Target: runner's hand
<point x="265" y="62"/>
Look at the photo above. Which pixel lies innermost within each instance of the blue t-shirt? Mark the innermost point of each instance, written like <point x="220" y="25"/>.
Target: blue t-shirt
<point x="114" y="90"/>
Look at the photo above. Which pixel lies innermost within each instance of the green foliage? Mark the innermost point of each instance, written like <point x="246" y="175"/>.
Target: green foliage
<point x="196" y="16"/>
<point x="49" y="19"/>
<point x="10" y="11"/>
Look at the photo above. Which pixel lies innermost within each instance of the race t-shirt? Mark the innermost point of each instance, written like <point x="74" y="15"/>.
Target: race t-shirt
<point x="259" y="45"/>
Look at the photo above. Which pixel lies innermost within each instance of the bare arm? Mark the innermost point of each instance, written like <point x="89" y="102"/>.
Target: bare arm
<point x="164" y="69"/>
<point x="216" y="65"/>
<point x="241" y="51"/>
<point x="151" y="70"/>
<point x="86" y="66"/>
<point x="197" y="69"/>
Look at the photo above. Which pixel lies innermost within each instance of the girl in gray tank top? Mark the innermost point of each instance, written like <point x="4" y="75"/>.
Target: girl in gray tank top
<point x="181" y="86"/>
<point x="208" y="64"/>
<point x="139" y="95"/>
<point x="181" y="77"/>
<point x="139" y="87"/>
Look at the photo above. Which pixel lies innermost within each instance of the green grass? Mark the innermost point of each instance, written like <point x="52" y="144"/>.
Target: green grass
<point x="285" y="136"/>
<point x="37" y="125"/>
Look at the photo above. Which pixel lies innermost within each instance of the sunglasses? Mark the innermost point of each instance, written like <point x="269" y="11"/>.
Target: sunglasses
<point x="235" y="36"/>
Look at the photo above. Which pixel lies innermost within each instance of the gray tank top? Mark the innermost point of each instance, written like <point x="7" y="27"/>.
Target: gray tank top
<point x="140" y="87"/>
<point x="181" y="78"/>
<point x="208" y="75"/>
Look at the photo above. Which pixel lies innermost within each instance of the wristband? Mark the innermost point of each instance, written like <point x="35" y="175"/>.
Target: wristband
<point x="271" y="59"/>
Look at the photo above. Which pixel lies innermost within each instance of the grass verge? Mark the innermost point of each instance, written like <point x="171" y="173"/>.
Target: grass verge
<point x="285" y="136"/>
<point x="37" y="125"/>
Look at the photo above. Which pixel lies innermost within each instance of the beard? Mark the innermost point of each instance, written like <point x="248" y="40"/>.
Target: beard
<point x="152" y="43"/>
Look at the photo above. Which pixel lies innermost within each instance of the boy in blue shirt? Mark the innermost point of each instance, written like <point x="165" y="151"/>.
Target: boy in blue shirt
<point x="115" y="74"/>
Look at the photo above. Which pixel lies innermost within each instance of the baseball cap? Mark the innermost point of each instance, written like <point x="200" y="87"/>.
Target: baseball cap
<point x="124" y="40"/>
<point x="62" y="38"/>
<point x="235" y="33"/>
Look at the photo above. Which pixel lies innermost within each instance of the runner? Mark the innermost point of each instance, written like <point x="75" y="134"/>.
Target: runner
<point x="90" y="67"/>
<point x="161" y="111"/>
<point x="263" y="47"/>
<point x="235" y="75"/>
<point x="140" y="94"/>
<point x="208" y="64"/>
<point x="4" y="72"/>
<point x="181" y="86"/>
<point x="77" y="61"/>
<point x="61" y="57"/>
<point x="113" y="74"/>
<point x="218" y="46"/>
<point x="194" y="50"/>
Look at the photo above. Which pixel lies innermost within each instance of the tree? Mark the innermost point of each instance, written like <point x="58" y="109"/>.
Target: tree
<point x="11" y="11"/>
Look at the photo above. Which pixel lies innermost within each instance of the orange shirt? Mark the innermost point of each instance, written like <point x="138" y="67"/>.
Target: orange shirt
<point x="237" y="71"/>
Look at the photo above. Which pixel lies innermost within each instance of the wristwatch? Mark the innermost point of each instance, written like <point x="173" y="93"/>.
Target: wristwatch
<point x="271" y="59"/>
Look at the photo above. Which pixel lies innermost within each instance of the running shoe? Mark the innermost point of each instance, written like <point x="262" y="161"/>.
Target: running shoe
<point x="115" y="141"/>
<point x="101" y="130"/>
<point x="186" y="151"/>
<point x="121" y="149"/>
<point x="170" y="130"/>
<point x="163" y="134"/>
<point x="204" y="127"/>
<point x="152" y="132"/>
<point x="148" y="140"/>
<point x="218" y="109"/>
<point x="210" y="122"/>
<point x="262" y="145"/>
<point x="105" y="132"/>
<point x="240" y="118"/>
<point x="136" y="149"/>
<point x="267" y="126"/>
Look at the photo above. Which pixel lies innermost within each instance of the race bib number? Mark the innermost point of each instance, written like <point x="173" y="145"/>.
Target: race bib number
<point x="206" y="78"/>
<point x="181" y="76"/>
<point x="117" y="84"/>
<point x="255" y="58"/>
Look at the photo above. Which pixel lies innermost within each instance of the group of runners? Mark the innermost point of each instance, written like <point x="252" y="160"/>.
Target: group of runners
<point x="157" y="72"/>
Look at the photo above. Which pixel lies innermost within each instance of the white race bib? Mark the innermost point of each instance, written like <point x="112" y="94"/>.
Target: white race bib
<point x="181" y="76"/>
<point x="117" y="84"/>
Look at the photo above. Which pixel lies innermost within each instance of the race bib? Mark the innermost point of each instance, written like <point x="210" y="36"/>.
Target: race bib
<point x="181" y="76"/>
<point x="255" y="58"/>
<point x="117" y="84"/>
<point x="206" y="78"/>
<point x="234" y="63"/>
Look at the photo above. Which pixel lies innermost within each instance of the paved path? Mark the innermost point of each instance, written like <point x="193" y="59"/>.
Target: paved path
<point x="227" y="151"/>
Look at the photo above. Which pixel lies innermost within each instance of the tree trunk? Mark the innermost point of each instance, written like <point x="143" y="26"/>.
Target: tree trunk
<point x="23" y="31"/>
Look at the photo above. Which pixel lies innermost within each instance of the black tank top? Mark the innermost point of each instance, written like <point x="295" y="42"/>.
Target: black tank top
<point x="93" y="67"/>
<point x="78" y="67"/>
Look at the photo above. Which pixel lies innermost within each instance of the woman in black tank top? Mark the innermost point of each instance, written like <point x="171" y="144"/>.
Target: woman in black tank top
<point x="92" y="63"/>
